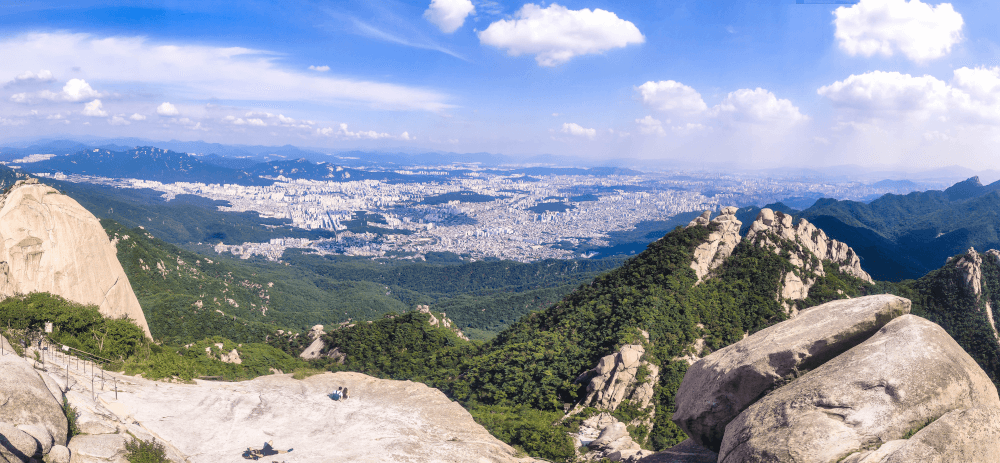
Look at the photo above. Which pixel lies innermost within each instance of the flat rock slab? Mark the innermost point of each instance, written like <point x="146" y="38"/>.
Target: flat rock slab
<point x="382" y="421"/>
<point x="686" y="452"/>
<point x="909" y="373"/>
<point x="720" y="386"/>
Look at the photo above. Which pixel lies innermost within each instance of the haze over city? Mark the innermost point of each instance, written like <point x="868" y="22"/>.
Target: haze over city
<point x="890" y="84"/>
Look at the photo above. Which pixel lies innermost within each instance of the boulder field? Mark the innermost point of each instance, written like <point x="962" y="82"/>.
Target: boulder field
<point x="856" y="380"/>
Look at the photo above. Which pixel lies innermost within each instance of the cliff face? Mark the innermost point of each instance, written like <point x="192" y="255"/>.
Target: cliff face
<point x="49" y="243"/>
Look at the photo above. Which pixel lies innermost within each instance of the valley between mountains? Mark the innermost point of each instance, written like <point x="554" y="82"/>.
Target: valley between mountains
<point x="745" y="335"/>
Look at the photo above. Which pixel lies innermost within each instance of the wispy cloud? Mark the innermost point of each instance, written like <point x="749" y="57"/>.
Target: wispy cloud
<point x="373" y="32"/>
<point x="202" y="72"/>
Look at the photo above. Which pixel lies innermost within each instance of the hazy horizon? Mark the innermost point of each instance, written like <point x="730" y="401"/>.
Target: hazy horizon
<point x="880" y="84"/>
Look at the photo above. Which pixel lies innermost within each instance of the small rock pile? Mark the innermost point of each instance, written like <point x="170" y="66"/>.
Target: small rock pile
<point x="854" y="381"/>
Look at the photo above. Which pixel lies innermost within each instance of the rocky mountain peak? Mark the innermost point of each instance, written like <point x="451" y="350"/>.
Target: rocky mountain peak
<point x="808" y="246"/>
<point x="720" y="243"/>
<point x="50" y="243"/>
<point x="970" y="277"/>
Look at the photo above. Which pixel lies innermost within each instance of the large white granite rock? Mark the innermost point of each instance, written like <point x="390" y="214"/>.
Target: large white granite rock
<point x="720" y="386"/>
<point x="906" y="375"/>
<point x="49" y="243"/>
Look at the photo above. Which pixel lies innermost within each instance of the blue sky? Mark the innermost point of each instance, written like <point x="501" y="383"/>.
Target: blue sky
<point x="888" y="83"/>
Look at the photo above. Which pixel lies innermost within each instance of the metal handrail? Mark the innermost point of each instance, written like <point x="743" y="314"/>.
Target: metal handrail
<point x="51" y="347"/>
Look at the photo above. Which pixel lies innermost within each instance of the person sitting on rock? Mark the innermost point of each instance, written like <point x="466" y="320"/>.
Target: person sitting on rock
<point x="336" y="395"/>
<point x="345" y="392"/>
<point x="268" y="450"/>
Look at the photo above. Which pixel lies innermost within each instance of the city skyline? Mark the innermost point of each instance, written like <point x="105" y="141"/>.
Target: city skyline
<point x="878" y="83"/>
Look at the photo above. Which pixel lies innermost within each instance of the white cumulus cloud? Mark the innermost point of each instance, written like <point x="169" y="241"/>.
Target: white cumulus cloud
<point x="118" y="120"/>
<point x="671" y="96"/>
<point x="74" y="90"/>
<point x="578" y="130"/>
<point x="94" y="109"/>
<point x="972" y="96"/>
<point x="757" y="105"/>
<point x="650" y="126"/>
<point x="918" y="30"/>
<point x="449" y="15"/>
<point x="137" y="117"/>
<point x="78" y="89"/>
<point x="167" y="109"/>
<point x="319" y="68"/>
<point x="556" y="34"/>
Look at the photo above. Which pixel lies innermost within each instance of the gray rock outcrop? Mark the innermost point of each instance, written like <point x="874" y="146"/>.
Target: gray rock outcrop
<point x="967" y="436"/>
<point x="970" y="270"/>
<point x="617" y="377"/>
<point x="17" y="446"/>
<point x="720" y="386"/>
<point x="443" y="322"/>
<point x="104" y="448"/>
<point x="810" y="246"/>
<point x="317" y="345"/>
<point x="909" y="373"/>
<point x="25" y="400"/>
<point x="59" y="454"/>
<point x="720" y="243"/>
<point x="606" y="438"/>
<point x="49" y="243"/>
<point x="40" y="434"/>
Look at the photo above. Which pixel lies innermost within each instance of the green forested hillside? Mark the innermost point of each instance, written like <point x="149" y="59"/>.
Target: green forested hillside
<point x="905" y="236"/>
<point x="187" y="296"/>
<point x="944" y="297"/>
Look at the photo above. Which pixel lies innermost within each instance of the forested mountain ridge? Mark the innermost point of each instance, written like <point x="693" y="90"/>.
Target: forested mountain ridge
<point x="522" y="382"/>
<point x="654" y="307"/>
<point x="905" y="236"/>
<point x="144" y="162"/>
<point x="189" y="296"/>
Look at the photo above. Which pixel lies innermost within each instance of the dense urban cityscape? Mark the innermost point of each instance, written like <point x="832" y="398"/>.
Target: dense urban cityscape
<point x="486" y="213"/>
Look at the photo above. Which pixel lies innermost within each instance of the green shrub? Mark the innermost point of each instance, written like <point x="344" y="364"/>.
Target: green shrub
<point x="73" y="428"/>
<point x="536" y="432"/>
<point x="143" y="451"/>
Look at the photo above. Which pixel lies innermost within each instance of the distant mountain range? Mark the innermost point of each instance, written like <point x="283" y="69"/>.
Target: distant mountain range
<point x="164" y="165"/>
<point x="258" y="153"/>
<point x="905" y="236"/>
